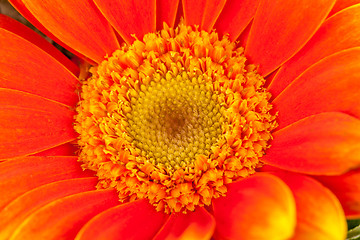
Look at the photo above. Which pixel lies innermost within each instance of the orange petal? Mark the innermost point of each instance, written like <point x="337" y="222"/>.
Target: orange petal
<point x="212" y="10"/>
<point x="78" y="24"/>
<point x="21" y="30"/>
<point x="331" y="84"/>
<point x="67" y="149"/>
<point x="166" y="12"/>
<point x="134" y="220"/>
<point x="23" y="174"/>
<point x="257" y="207"/>
<point x="193" y="225"/>
<point x="337" y="33"/>
<point x="25" y="67"/>
<point x="347" y="188"/>
<point x="281" y="28"/>
<point x="322" y="144"/>
<point x="193" y="11"/>
<point x="63" y="218"/>
<point x="318" y="212"/>
<point x="21" y="8"/>
<point x="29" y="124"/>
<point x="16" y="211"/>
<point x="235" y="16"/>
<point x="342" y="4"/>
<point x="130" y="17"/>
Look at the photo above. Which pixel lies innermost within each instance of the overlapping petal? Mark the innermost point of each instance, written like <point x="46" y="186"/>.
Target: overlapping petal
<point x="337" y="33"/>
<point x="322" y="144"/>
<point x="135" y="220"/>
<point x="63" y="218"/>
<point x="342" y="4"/>
<point x="166" y="12"/>
<point x="16" y="211"/>
<point x="136" y="17"/>
<point x="331" y="84"/>
<point x="78" y="24"/>
<point x="319" y="213"/>
<point x="25" y="67"/>
<point x="235" y="16"/>
<point x="257" y="207"/>
<point x="30" y="124"/>
<point x="199" y="224"/>
<point x="347" y="189"/>
<point x="21" y="30"/>
<point x="24" y="174"/>
<point x="281" y="28"/>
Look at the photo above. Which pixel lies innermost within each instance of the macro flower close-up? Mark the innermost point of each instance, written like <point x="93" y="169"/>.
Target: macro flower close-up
<point x="179" y="119"/>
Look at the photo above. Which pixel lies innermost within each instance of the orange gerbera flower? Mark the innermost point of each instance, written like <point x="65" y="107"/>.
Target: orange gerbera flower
<point x="185" y="120"/>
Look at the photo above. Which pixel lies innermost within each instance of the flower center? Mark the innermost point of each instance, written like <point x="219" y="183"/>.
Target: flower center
<point x="174" y="119"/>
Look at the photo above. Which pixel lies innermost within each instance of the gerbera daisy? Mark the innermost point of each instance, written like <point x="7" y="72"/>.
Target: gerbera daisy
<point x="182" y="120"/>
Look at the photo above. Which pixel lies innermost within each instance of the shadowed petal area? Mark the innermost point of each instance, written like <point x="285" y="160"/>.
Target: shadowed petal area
<point x="29" y="124"/>
<point x="318" y="212"/>
<point x="130" y="17"/>
<point x="322" y="144"/>
<point x="20" y="175"/>
<point x="135" y="220"/>
<point x="281" y="28"/>
<point x="25" y="67"/>
<point x="257" y="207"/>
<point x="199" y="224"/>
<point x="166" y="12"/>
<point x="63" y="218"/>
<point x="235" y="16"/>
<point x="21" y="30"/>
<point x="337" y="33"/>
<point x="331" y="84"/>
<point x="342" y="4"/>
<point x="347" y="189"/>
<point x="16" y="211"/>
<point x="67" y="149"/>
<point x="78" y="24"/>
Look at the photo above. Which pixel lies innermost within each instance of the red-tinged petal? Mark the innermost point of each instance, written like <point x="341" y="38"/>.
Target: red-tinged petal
<point x="347" y="189"/>
<point x="78" y="24"/>
<point x="235" y="17"/>
<point x="63" y="218"/>
<point x="281" y="28"/>
<point x="318" y="212"/>
<point x="330" y="85"/>
<point x="337" y="33"/>
<point x="20" y="175"/>
<point x="193" y="225"/>
<point x="193" y="11"/>
<point x="257" y="207"/>
<point x="21" y="8"/>
<point x="166" y="12"/>
<point x="18" y="210"/>
<point x="25" y="67"/>
<point x="21" y="30"/>
<point x="134" y="220"/>
<point x="67" y="149"/>
<point x="130" y="17"/>
<point x="30" y="124"/>
<point x="342" y="4"/>
<point x="322" y="144"/>
<point x="212" y="10"/>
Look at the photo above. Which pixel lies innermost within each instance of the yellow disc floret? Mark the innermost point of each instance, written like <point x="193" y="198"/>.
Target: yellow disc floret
<point x="174" y="118"/>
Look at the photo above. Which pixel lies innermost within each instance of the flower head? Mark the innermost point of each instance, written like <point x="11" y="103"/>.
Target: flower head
<point x="182" y="119"/>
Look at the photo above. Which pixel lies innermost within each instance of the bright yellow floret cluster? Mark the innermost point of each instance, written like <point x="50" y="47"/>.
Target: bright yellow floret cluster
<point x="174" y="118"/>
